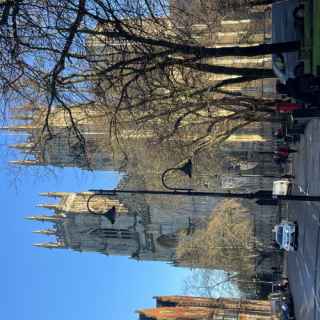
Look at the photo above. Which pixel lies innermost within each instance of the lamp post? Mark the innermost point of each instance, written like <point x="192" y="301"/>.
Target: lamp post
<point x="264" y="197"/>
<point x="261" y="194"/>
<point x="285" y="176"/>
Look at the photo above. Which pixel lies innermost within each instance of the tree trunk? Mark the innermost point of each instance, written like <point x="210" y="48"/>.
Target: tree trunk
<point x="262" y="2"/>
<point x="242" y="79"/>
<point x="249" y="72"/>
<point x="206" y="52"/>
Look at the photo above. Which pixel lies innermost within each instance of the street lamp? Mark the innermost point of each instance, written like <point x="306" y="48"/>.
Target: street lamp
<point x="285" y="176"/>
<point x="185" y="168"/>
<point x="261" y="194"/>
<point x="264" y="197"/>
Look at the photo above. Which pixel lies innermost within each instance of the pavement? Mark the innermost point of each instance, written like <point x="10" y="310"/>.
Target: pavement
<point x="303" y="265"/>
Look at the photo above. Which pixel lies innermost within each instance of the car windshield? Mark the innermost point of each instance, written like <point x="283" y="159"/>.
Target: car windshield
<point x="279" y="234"/>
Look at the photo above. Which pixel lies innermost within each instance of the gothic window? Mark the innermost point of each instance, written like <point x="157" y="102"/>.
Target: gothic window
<point x="161" y="303"/>
<point x="166" y="228"/>
<point x="150" y="242"/>
<point x="112" y="233"/>
<point x="76" y="150"/>
<point x="168" y="240"/>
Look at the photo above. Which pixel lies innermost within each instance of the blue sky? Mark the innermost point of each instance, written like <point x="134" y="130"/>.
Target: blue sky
<point x="61" y="284"/>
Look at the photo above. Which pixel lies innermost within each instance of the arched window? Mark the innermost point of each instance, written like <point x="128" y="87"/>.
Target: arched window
<point x="168" y="240"/>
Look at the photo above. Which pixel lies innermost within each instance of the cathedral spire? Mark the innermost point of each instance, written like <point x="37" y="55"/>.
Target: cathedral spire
<point x="50" y="245"/>
<point x="46" y="231"/>
<point x="19" y="116"/>
<point x="26" y="162"/>
<point x="54" y="218"/>
<point x="54" y="194"/>
<point x="23" y="146"/>
<point x="19" y="128"/>
<point x="53" y="206"/>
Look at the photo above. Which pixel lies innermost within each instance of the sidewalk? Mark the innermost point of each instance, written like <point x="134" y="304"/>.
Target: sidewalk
<point x="304" y="265"/>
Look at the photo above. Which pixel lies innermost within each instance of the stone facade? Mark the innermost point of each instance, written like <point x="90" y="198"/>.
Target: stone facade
<point x="61" y="146"/>
<point x="142" y="230"/>
<point x="146" y="227"/>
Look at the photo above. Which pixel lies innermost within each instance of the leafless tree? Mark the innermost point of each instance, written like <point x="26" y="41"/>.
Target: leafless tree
<point x="227" y="243"/>
<point x="137" y="60"/>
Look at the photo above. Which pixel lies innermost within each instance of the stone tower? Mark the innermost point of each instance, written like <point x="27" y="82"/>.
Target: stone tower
<point x="87" y="147"/>
<point x="140" y="230"/>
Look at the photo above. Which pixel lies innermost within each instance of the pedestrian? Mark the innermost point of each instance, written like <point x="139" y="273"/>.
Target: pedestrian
<point x="305" y="88"/>
<point x="284" y="106"/>
<point x="279" y="160"/>
<point x="298" y="110"/>
<point x="286" y="149"/>
<point x="279" y="134"/>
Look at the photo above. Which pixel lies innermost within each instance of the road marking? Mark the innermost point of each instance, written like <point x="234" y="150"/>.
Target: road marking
<point x="315" y="217"/>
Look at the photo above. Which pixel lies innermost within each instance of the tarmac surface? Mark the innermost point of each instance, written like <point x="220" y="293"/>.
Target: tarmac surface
<point x="303" y="265"/>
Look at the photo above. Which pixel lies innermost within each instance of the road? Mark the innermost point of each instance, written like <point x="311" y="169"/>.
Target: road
<point x="304" y="264"/>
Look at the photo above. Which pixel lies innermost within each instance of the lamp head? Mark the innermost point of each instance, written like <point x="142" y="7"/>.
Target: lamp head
<point x="111" y="215"/>
<point x="187" y="168"/>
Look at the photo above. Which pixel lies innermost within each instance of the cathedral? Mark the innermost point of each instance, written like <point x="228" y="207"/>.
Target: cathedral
<point x="141" y="227"/>
<point x="126" y="226"/>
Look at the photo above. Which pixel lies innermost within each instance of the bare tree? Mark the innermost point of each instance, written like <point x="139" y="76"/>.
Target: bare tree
<point x="227" y="243"/>
<point x="210" y="283"/>
<point x="137" y="60"/>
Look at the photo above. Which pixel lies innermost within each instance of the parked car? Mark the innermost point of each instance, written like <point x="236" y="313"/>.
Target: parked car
<point x="286" y="311"/>
<point x="282" y="304"/>
<point x="286" y="235"/>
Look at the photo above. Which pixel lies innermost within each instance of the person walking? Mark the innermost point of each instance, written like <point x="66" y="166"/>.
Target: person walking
<point x="305" y="88"/>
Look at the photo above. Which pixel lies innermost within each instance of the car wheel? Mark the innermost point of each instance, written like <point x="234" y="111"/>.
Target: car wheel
<point x="298" y="13"/>
<point x="296" y="236"/>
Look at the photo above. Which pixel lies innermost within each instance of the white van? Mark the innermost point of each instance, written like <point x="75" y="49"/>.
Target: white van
<point x="281" y="187"/>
